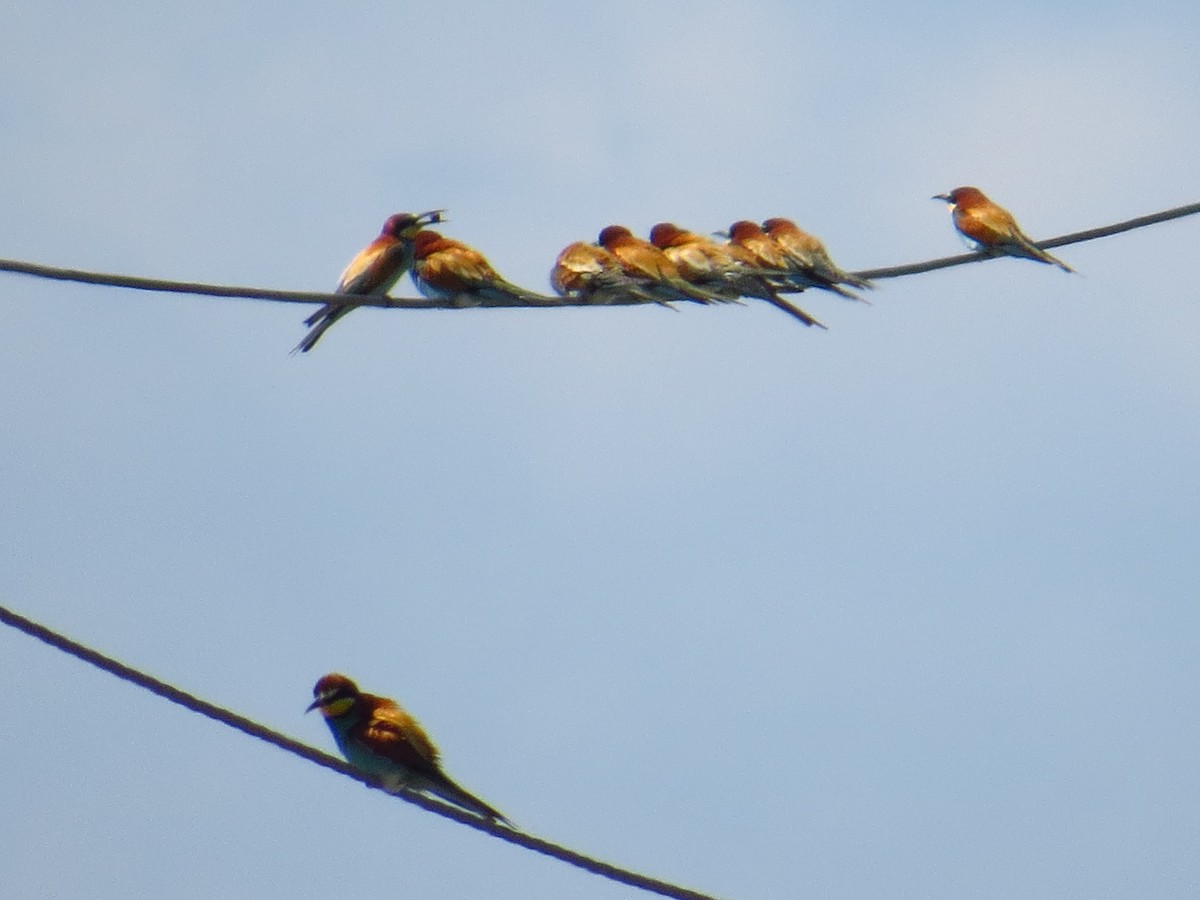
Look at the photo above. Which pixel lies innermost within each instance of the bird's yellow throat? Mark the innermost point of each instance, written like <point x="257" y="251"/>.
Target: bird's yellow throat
<point x="337" y="707"/>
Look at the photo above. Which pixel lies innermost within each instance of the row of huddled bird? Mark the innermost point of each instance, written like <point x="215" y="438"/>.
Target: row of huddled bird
<point x="755" y="261"/>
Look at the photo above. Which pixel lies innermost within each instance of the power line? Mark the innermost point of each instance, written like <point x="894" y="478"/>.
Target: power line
<point x="134" y="282"/>
<point x="283" y="742"/>
<point x="139" y="283"/>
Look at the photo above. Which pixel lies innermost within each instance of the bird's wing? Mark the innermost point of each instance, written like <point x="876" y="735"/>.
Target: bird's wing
<point x="640" y="263"/>
<point x="988" y="227"/>
<point x="394" y="734"/>
<point x="458" y="269"/>
<point x="796" y="252"/>
<point x="375" y="269"/>
<point x="768" y="254"/>
<point x="579" y="262"/>
<point x="832" y="274"/>
<point x="582" y="268"/>
<point x="694" y="262"/>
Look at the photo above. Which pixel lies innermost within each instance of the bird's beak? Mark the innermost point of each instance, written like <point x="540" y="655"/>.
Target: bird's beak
<point x="432" y="217"/>
<point x="314" y="705"/>
<point x="943" y="197"/>
<point x="723" y="235"/>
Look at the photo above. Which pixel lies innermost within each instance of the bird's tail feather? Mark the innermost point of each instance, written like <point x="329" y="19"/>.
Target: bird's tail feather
<point x="320" y="322"/>
<point x="825" y="269"/>
<point x="1035" y="252"/>
<point x="452" y="793"/>
<point x="503" y="293"/>
<point x="845" y="277"/>
<point x="698" y="294"/>
<point x="840" y="291"/>
<point x="791" y="309"/>
<point x="319" y="315"/>
<point x="1055" y="261"/>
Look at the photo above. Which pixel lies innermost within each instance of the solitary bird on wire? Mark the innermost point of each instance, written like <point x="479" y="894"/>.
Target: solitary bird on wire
<point x="651" y="268"/>
<point x="809" y="254"/>
<point x="381" y="739"/>
<point x="992" y="227"/>
<point x="721" y="268"/>
<point x="446" y="269"/>
<point x="374" y="270"/>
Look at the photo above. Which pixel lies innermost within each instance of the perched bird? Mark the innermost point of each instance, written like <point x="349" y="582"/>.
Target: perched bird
<point x="766" y="253"/>
<point x="807" y="252"/>
<point x="992" y="227"/>
<point x="651" y="268"/>
<point x="381" y="739"/>
<point x="589" y="273"/>
<point x="446" y="269"/>
<point x="374" y="270"/>
<point x="719" y="268"/>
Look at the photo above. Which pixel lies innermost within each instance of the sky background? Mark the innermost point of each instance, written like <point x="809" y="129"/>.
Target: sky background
<point x="908" y="608"/>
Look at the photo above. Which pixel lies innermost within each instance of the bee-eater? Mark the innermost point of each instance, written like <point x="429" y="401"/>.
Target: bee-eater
<point x="592" y="274"/>
<point x="992" y="227"/>
<point x="381" y="739"/>
<point x="374" y="270"/>
<point x="651" y="268"/>
<point x="446" y="269"/>
<point x="808" y="253"/>
<point x="718" y="268"/>
<point x="763" y="250"/>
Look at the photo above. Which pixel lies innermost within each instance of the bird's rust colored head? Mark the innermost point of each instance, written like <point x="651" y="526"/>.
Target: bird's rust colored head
<point x="667" y="234"/>
<point x="405" y="225"/>
<point x="962" y="196"/>
<point x="744" y="229"/>
<point x="613" y="234"/>
<point x="335" y="694"/>
<point x="777" y="223"/>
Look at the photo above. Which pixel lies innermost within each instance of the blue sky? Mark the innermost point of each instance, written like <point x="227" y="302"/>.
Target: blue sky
<point x="906" y="608"/>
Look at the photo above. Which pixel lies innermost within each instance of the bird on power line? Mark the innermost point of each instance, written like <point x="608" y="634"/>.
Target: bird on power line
<point x="446" y="269"/>
<point x="381" y="739"/>
<point x="766" y="253"/>
<point x="808" y="253"/>
<point x="992" y="227"/>
<point x="590" y="273"/>
<point x="374" y="270"/>
<point x="721" y="268"/>
<point x="651" y="268"/>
